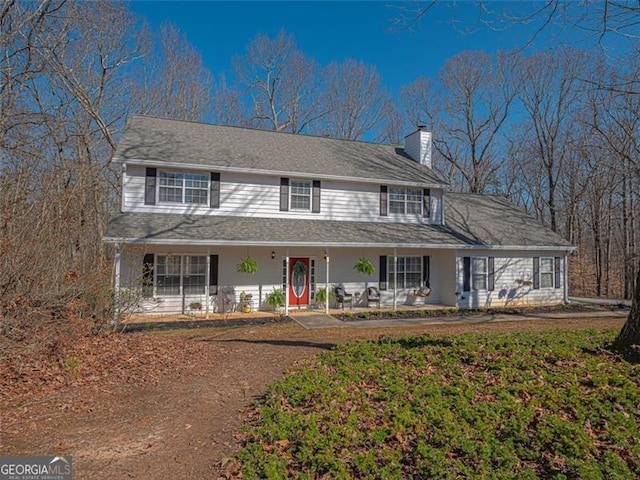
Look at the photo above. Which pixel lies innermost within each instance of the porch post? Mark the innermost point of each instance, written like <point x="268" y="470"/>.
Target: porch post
<point x="286" y="276"/>
<point x="116" y="284"/>
<point x="207" y="298"/>
<point x="566" y="278"/>
<point x="326" y="284"/>
<point x="395" y="278"/>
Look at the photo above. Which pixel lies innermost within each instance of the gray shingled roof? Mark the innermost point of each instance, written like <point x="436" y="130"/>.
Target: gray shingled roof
<point x="490" y="220"/>
<point x="164" y="140"/>
<point x="472" y="220"/>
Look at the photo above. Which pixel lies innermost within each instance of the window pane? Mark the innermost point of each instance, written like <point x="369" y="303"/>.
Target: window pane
<point x="479" y="281"/>
<point x="396" y="207"/>
<point x="478" y="273"/>
<point x="196" y="180"/>
<point x="409" y="272"/>
<point x="196" y="196"/>
<point x="546" y="280"/>
<point x="405" y="200"/>
<point x="168" y="275"/>
<point x="300" y="195"/>
<point x="479" y="265"/>
<point x="546" y="265"/>
<point x="196" y="188"/>
<point x="412" y="280"/>
<point x="170" y="194"/>
<point x="171" y="179"/>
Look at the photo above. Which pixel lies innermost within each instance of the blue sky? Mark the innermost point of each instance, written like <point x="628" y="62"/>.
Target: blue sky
<point x="333" y="31"/>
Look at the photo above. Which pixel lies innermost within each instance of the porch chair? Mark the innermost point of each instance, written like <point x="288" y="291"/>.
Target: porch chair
<point x="373" y="295"/>
<point x="225" y="300"/>
<point x="342" y="296"/>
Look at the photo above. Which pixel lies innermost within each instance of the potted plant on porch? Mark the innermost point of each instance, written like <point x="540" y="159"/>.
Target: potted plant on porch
<point x="276" y="298"/>
<point x="365" y="267"/>
<point x="247" y="265"/>
<point x="321" y="296"/>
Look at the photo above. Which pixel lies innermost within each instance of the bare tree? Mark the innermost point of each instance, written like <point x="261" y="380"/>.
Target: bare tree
<point x="550" y="92"/>
<point x="177" y="84"/>
<point x="228" y="108"/>
<point x="355" y="101"/>
<point x="281" y="83"/>
<point x="467" y="109"/>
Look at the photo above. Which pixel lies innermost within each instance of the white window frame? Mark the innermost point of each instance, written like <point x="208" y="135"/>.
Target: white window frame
<point x="407" y="197"/>
<point x="402" y="276"/>
<point x="550" y="273"/>
<point x="480" y="274"/>
<point x="185" y="262"/>
<point x="305" y="184"/>
<point x="184" y="188"/>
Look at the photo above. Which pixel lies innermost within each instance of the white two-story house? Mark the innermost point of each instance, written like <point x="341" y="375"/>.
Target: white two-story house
<point x="198" y="198"/>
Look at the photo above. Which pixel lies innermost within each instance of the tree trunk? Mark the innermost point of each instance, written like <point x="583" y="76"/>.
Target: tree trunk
<point x="630" y="333"/>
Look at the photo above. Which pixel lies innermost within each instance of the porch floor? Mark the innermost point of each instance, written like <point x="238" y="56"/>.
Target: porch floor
<point x="293" y="312"/>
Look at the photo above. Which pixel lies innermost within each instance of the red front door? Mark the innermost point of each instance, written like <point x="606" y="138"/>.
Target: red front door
<point x="298" y="281"/>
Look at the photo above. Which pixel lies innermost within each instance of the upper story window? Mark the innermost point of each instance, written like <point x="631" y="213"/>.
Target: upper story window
<point x="183" y="187"/>
<point x="300" y="195"/>
<point x="405" y="200"/>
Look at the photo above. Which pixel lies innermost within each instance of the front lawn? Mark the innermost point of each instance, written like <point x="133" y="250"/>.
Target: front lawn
<point x="531" y="405"/>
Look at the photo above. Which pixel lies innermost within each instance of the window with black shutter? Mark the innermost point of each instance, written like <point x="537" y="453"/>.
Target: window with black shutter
<point x="284" y="194"/>
<point x="382" y="269"/>
<point x="383" y="200"/>
<point x="213" y="274"/>
<point x="150" y="186"/>
<point x="214" y="201"/>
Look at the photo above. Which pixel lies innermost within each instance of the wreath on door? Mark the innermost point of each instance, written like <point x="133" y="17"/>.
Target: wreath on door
<point x="299" y="278"/>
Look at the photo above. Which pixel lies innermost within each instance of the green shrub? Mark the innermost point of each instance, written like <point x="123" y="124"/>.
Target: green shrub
<point x="472" y="406"/>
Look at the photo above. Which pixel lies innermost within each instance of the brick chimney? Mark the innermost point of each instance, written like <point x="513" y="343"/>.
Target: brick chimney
<point x="418" y="146"/>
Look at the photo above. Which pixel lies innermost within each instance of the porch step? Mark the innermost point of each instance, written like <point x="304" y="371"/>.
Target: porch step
<point x="316" y="320"/>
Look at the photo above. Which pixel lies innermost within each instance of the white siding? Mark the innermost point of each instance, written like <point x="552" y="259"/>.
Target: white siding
<point x="248" y="195"/>
<point x="513" y="281"/>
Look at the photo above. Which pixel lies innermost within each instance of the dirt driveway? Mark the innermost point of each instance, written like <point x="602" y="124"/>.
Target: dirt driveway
<point x="183" y="425"/>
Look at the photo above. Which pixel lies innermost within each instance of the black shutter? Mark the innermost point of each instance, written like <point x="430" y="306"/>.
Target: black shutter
<point x="284" y="194"/>
<point x="383" y="200"/>
<point x="213" y="274"/>
<point x="491" y="274"/>
<point x="214" y="193"/>
<point x="150" y="186"/>
<point x="315" y="203"/>
<point x="426" y="200"/>
<point x="147" y="275"/>
<point x="536" y="273"/>
<point x="426" y="271"/>
<point x="466" y="282"/>
<point x="383" y="272"/>
<point x="556" y="272"/>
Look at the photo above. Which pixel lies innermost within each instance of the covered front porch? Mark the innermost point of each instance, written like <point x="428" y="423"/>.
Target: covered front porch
<point x="205" y="281"/>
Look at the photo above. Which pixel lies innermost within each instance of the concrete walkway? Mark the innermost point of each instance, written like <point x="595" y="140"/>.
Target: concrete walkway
<point x="327" y="321"/>
<point x="599" y="301"/>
